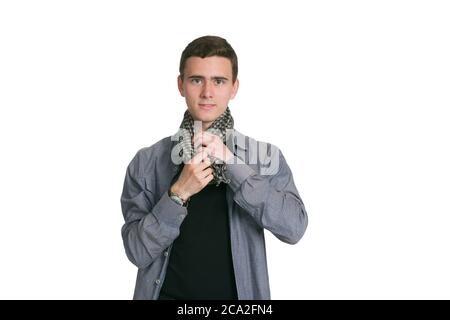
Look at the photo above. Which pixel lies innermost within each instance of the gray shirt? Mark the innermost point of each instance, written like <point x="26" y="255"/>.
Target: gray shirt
<point x="261" y="195"/>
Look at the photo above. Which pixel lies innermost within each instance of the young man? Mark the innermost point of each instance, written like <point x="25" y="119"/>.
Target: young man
<point x="196" y="204"/>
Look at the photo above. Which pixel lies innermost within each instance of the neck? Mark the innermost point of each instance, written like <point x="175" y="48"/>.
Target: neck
<point x="206" y="125"/>
<point x="198" y="124"/>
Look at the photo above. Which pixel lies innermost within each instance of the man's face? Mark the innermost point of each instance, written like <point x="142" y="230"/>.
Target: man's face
<point x="207" y="87"/>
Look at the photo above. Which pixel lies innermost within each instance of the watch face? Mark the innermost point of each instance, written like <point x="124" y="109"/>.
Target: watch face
<point x="177" y="199"/>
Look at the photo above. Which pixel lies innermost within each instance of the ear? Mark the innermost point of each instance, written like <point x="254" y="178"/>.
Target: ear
<point x="235" y="89"/>
<point x="180" y="85"/>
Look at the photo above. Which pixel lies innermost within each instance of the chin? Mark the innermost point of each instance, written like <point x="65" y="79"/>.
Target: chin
<point x="205" y="117"/>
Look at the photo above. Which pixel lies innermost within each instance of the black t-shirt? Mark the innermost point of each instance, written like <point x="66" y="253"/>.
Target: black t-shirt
<point x="200" y="263"/>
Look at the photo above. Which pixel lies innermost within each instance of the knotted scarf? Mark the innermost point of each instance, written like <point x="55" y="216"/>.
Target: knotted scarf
<point x="218" y="127"/>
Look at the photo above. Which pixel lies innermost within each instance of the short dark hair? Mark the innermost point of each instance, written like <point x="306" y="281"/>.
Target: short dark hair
<point x="209" y="46"/>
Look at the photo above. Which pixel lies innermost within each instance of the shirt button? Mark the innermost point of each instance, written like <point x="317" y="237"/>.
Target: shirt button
<point x="166" y="253"/>
<point x="182" y="216"/>
<point x="158" y="281"/>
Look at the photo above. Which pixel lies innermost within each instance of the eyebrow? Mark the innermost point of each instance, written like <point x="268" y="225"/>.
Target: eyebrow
<point x="212" y="78"/>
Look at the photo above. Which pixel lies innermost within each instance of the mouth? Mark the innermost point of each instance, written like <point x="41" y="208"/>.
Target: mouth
<point x="206" y="106"/>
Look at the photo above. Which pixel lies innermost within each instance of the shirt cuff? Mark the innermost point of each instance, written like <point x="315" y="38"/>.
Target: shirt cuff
<point x="169" y="212"/>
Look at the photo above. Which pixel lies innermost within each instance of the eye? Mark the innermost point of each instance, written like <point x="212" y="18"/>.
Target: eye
<point x="196" y="80"/>
<point x="219" y="81"/>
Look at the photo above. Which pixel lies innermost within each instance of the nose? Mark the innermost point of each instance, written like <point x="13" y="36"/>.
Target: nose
<point x="207" y="90"/>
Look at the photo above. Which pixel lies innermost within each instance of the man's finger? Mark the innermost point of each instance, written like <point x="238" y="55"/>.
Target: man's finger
<point x="203" y="139"/>
<point x="207" y="172"/>
<point x="201" y="155"/>
<point x="205" y="164"/>
<point x="197" y="140"/>
<point x="210" y="136"/>
<point x="208" y="178"/>
<point x="207" y="160"/>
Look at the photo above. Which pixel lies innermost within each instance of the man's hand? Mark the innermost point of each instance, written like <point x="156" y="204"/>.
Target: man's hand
<point x="195" y="175"/>
<point x="213" y="146"/>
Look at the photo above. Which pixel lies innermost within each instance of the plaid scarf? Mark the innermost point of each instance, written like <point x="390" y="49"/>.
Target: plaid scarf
<point x="218" y="127"/>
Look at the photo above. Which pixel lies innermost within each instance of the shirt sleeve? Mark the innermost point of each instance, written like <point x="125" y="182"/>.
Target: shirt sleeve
<point x="272" y="200"/>
<point x="149" y="227"/>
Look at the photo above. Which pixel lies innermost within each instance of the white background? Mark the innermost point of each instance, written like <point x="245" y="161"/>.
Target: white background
<point x="355" y="94"/>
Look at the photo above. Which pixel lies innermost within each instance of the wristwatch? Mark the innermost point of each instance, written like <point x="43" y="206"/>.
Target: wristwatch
<point x="175" y="197"/>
